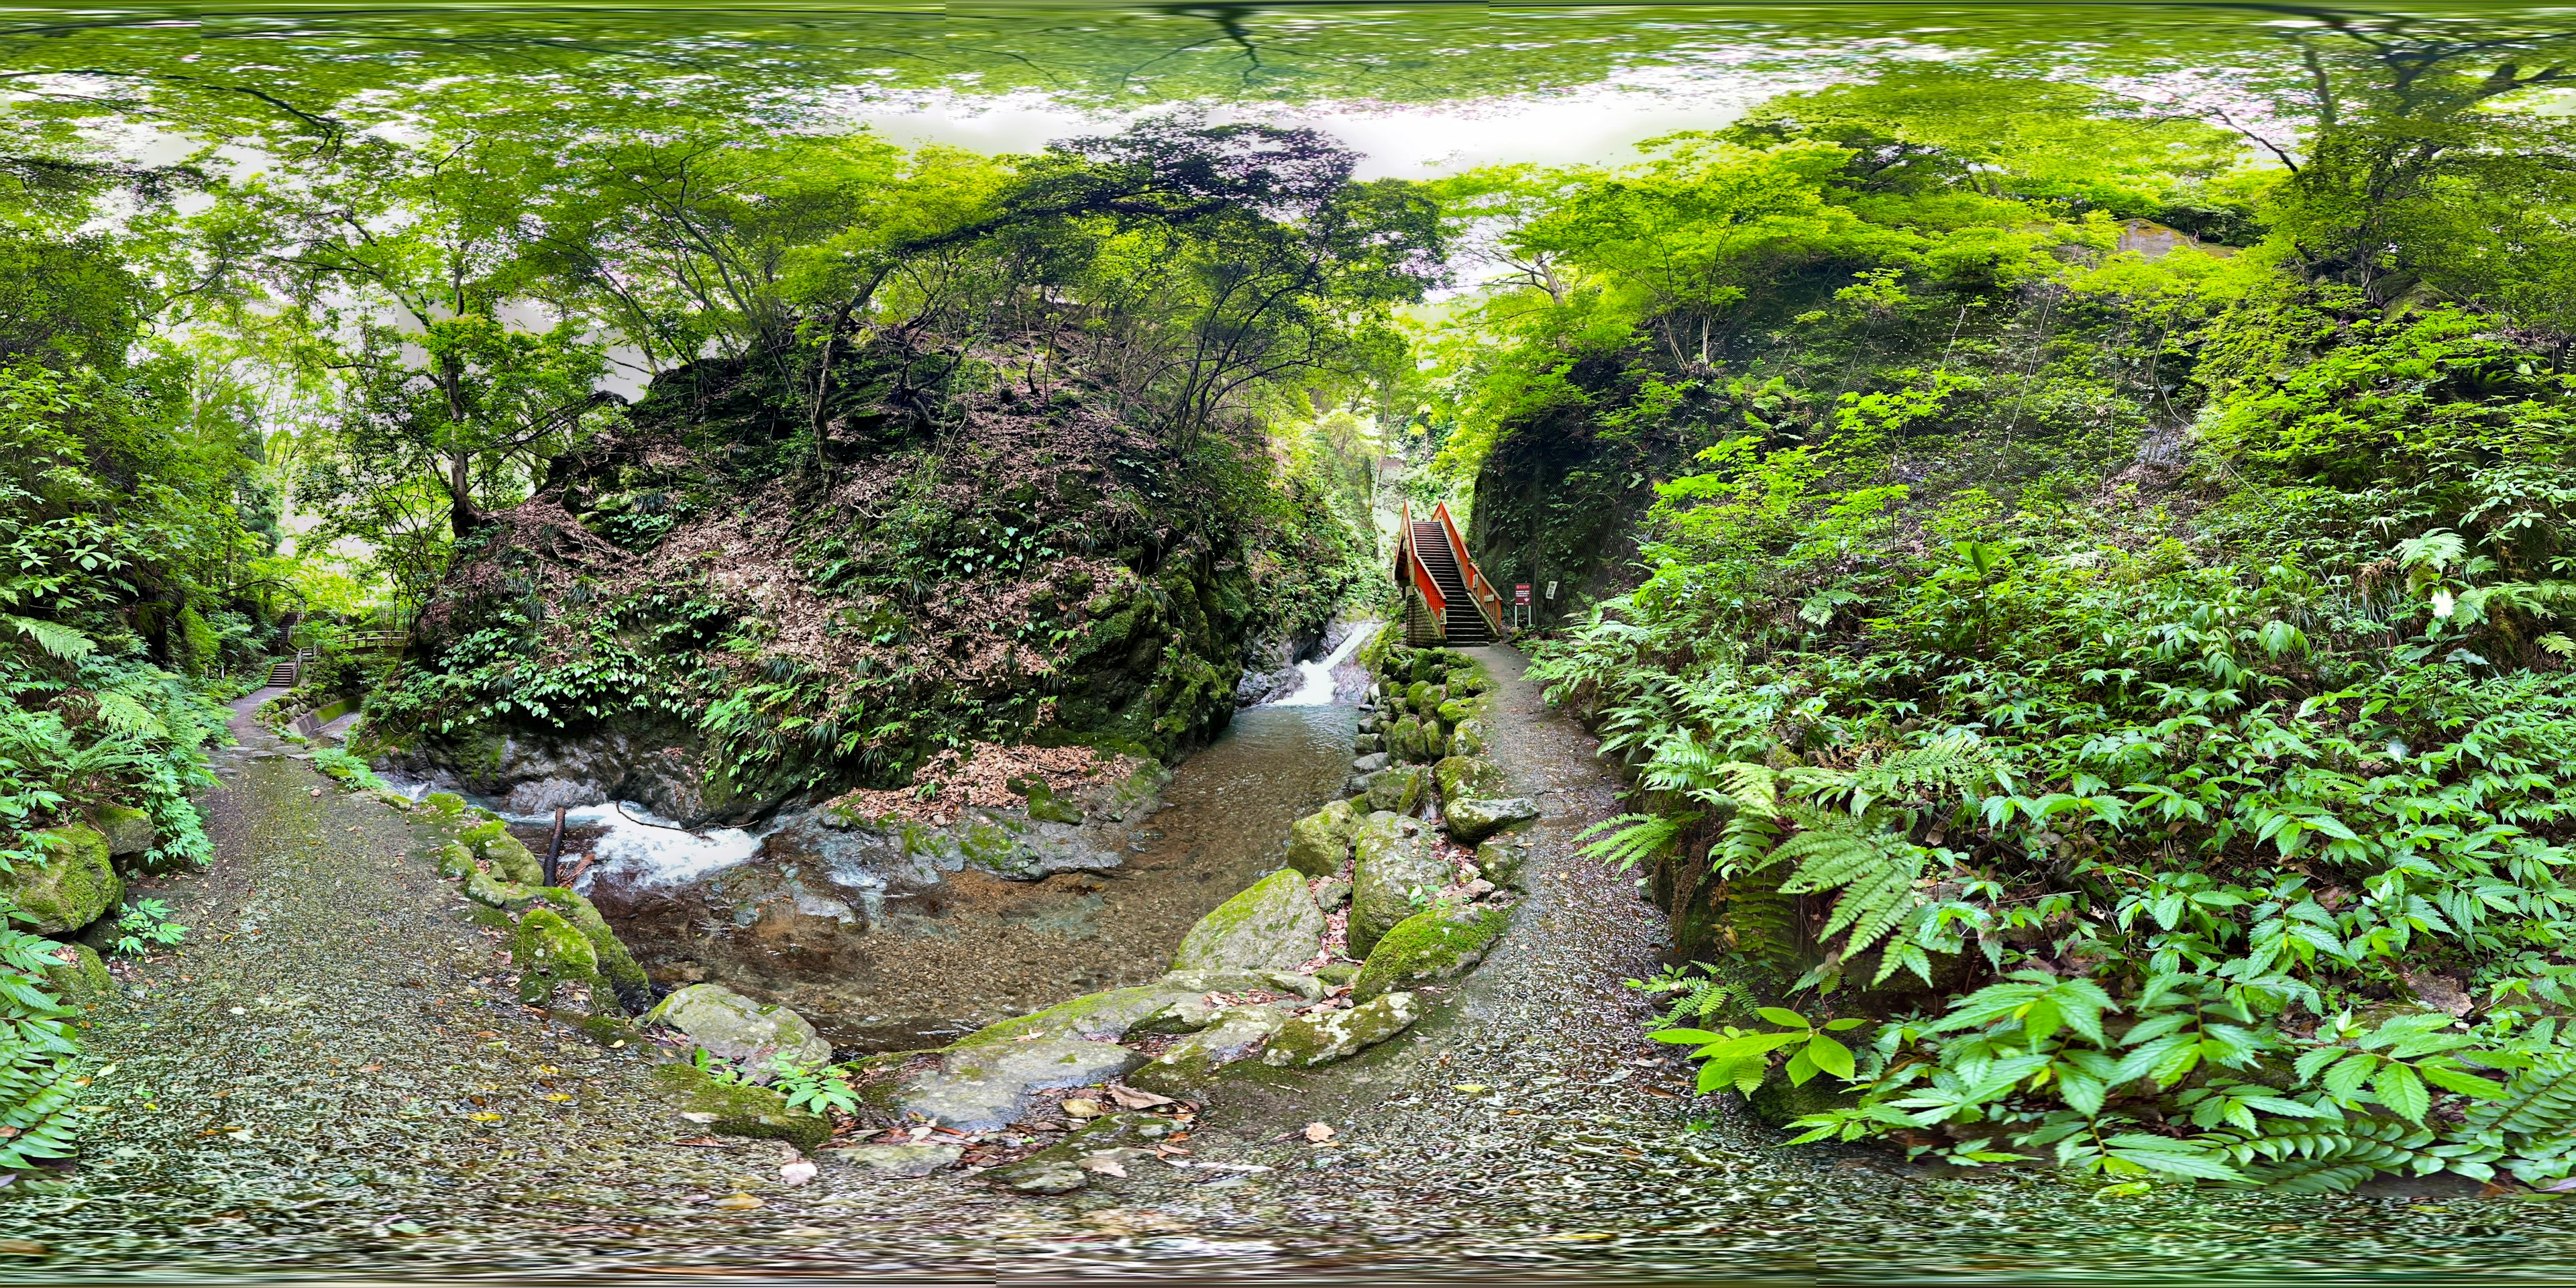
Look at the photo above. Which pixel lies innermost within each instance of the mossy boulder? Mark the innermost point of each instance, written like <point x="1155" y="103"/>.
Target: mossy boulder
<point x="1061" y="1168"/>
<point x="493" y="843"/>
<point x="1320" y="843"/>
<point x="1464" y="776"/>
<point x="444" y="804"/>
<point x="1101" y="1017"/>
<point x="128" y="831"/>
<point x="1399" y="790"/>
<point x="1404" y="739"/>
<point x="72" y="885"/>
<point x="78" y="976"/>
<point x="1310" y="1040"/>
<point x="551" y="952"/>
<point x="1437" y="944"/>
<point x="1190" y="1064"/>
<point x="1503" y="861"/>
<point x="739" y="1109"/>
<point x="1394" y="862"/>
<point x="727" y="1024"/>
<point x="625" y="975"/>
<point x="1419" y="698"/>
<point x="1274" y="925"/>
<point x="1454" y="710"/>
<point x="1473" y="819"/>
<point x="1470" y="737"/>
<point x="454" y="860"/>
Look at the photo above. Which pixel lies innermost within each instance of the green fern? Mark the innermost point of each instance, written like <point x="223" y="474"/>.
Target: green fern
<point x="61" y="641"/>
<point x="1873" y="866"/>
<point x="2538" y="1101"/>
<point x="2332" y="1159"/>
<point x="1635" y="838"/>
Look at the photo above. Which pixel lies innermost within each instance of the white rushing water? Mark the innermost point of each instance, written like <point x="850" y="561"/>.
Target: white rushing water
<point x="644" y="850"/>
<point x="1317" y="688"/>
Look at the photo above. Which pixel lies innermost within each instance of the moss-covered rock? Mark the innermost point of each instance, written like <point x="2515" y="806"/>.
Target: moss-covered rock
<point x="1437" y="944"/>
<point x="1399" y="790"/>
<point x="1778" y="1102"/>
<point x="128" y="831"/>
<point x="1320" y="843"/>
<point x="1072" y="1163"/>
<point x="1394" y="862"/>
<point x="78" y="976"/>
<point x="1404" y="739"/>
<point x="1273" y="925"/>
<point x="1503" y="861"/>
<point x="1454" y="710"/>
<point x="74" y="884"/>
<point x="739" y="1109"/>
<point x="494" y="844"/>
<point x="1236" y="1033"/>
<point x="1471" y="820"/>
<point x="1464" y="776"/>
<point x="1470" y="737"/>
<point x="727" y="1024"/>
<point x="454" y="860"/>
<point x="1309" y="1040"/>
<point x="444" y="804"/>
<point x="551" y="952"/>
<point x="1100" y="1017"/>
<point x="625" y="975"/>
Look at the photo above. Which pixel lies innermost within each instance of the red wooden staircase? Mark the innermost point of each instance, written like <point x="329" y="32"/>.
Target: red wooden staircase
<point x="1448" y="599"/>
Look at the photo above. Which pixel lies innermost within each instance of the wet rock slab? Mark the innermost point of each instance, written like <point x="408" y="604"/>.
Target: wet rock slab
<point x="986" y="1086"/>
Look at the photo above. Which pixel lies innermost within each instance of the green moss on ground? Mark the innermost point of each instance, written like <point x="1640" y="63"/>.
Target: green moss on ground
<point x="739" y="1108"/>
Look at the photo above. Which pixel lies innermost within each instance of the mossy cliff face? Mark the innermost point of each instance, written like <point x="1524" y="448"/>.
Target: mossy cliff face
<point x="703" y="611"/>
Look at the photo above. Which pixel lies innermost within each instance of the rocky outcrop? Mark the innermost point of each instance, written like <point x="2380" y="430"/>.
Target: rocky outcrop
<point x="1435" y="945"/>
<point x="1470" y="821"/>
<point x="1320" y="843"/>
<point x="1273" y="925"/>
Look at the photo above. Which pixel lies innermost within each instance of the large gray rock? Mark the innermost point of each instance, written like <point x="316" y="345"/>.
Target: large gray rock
<point x="1310" y="1040"/>
<point x="1399" y="790"/>
<point x="1192" y="1062"/>
<point x="1394" y="860"/>
<point x="1274" y="925"/>
<point x="986" y="1086"/>
<point x="73" y="885"/>
<point x="1320" y="843"/>
<point x="896" y="1160"/>
<point x="128" y="830"/>
<point x="735" y="1027"/>
<point x="1464" y="776"/>
<point x="1471" y="821"/>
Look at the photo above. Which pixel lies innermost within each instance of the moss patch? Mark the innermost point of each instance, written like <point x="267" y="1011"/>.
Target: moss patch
<point x="739" y="1109"/>
<point x="1434" y="945"/>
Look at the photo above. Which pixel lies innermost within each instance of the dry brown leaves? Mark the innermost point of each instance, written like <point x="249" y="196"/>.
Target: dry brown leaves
<point x="982" y="778"/>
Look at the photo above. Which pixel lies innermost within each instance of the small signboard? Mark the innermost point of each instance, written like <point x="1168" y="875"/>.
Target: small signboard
<point x="1520" y="592"/>
<point x="1551" y="590"/>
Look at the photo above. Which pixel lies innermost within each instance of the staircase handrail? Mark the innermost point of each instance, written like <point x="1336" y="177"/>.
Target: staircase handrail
<point x="1480" y="591"/>
<point x="1409" y="566"/>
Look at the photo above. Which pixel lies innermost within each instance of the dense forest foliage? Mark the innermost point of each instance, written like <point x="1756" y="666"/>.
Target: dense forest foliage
<point x="2116" y="669"/>
<point x="2074" y="560"/>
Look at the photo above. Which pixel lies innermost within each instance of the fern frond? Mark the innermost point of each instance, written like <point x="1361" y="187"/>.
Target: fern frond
<point x="53" y="637"/>
<point x="2331" y="1159"/>
<point x="2539" y="1100"/>
<point x="1636" y="838"/>
<point x="1874" y="868"/>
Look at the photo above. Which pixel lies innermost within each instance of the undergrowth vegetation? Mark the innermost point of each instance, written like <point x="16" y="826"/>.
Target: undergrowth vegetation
<point x="2149" y="739"/>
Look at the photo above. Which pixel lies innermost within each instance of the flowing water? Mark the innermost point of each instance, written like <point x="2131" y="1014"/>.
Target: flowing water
<point x="892" y="967"/>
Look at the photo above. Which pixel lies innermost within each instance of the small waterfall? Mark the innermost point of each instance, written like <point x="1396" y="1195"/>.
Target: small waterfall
<point x="1317" y="688"/>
